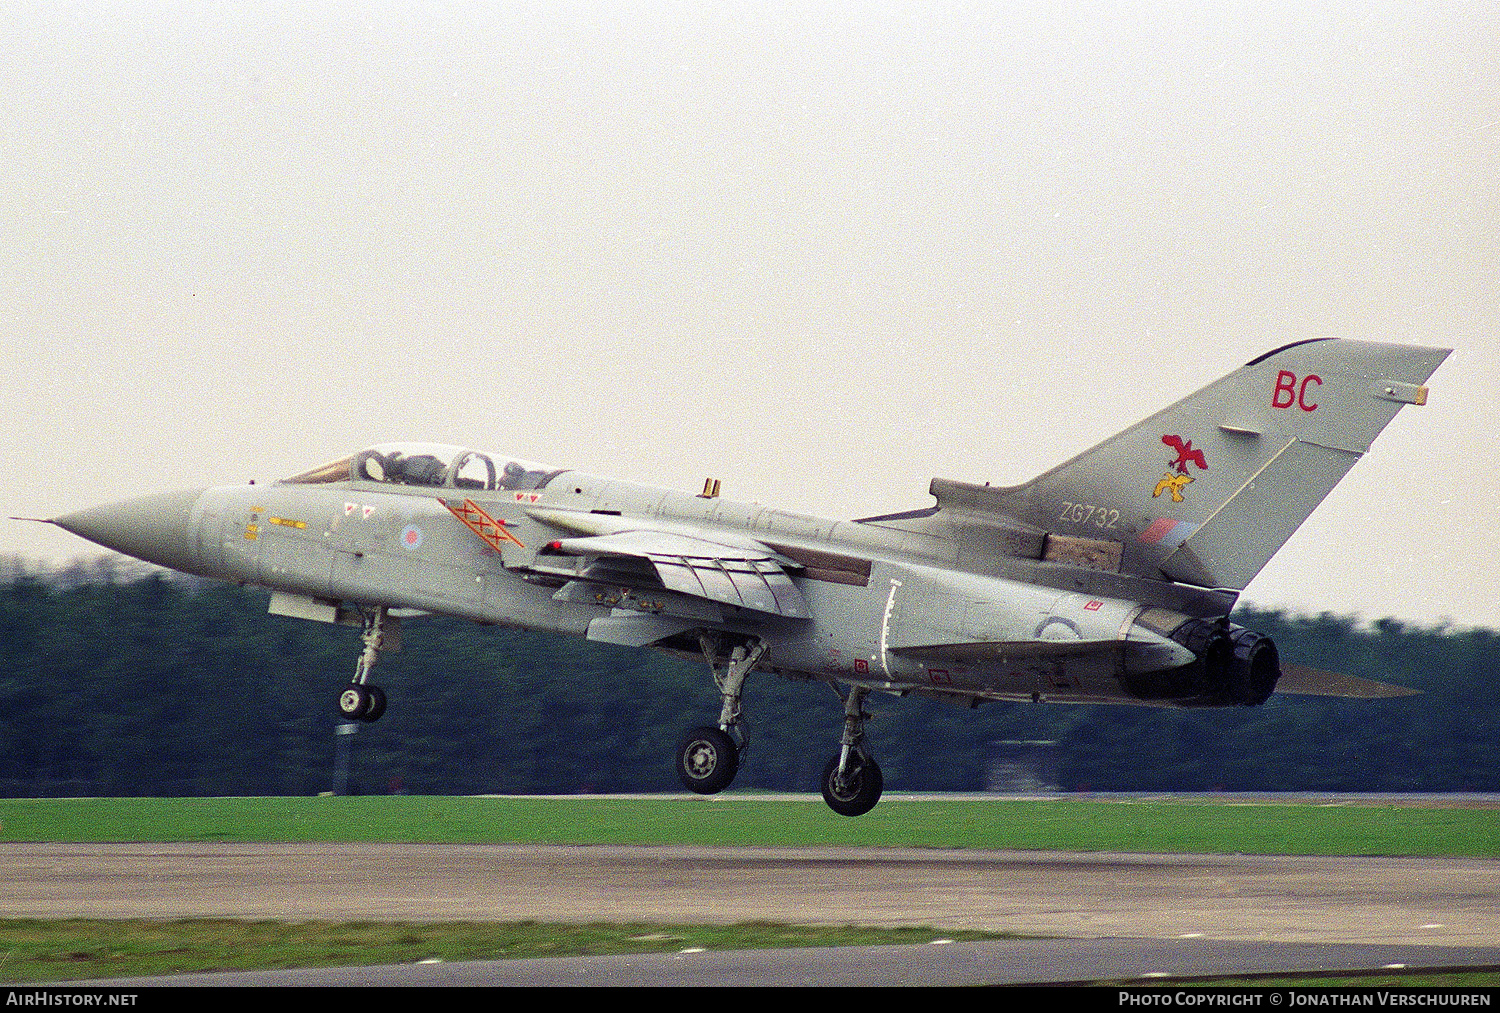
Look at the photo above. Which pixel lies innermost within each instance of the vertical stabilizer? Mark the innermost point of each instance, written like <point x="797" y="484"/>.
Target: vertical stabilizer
<point x="1207" y="490"/>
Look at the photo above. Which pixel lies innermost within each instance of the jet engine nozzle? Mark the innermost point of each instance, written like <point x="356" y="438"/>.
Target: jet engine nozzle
<point x="1236" y="665"/>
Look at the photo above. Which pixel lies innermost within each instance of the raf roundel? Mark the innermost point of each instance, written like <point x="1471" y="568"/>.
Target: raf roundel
<point x="411" y="537"/>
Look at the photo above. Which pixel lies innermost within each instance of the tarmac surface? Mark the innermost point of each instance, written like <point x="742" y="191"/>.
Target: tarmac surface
<point x="1433" y="901"/>
<point x="1126" y="914"/>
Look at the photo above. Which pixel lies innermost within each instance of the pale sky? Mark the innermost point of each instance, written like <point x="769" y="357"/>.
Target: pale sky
<point x="822" y="253"/>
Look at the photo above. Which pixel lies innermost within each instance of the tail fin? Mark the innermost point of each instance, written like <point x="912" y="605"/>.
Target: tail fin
<point x="1206" y="491"/>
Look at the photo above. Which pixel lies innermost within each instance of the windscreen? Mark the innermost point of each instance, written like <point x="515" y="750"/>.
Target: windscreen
<point x="437" y="465"/>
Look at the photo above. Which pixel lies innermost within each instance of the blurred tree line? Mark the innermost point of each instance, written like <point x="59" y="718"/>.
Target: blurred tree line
<point x="162" y="687"/>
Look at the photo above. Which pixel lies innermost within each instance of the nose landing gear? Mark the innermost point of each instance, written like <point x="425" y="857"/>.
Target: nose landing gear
<point x="361" y="700"/>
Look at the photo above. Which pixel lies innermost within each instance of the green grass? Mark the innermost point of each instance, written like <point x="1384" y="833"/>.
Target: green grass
<point x="37" y="950"/>
<point x="61" y="950"/>
<point x="1063" y="824"/>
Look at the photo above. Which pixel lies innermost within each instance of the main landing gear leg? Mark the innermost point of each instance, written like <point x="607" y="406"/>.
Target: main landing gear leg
<point x="852" y="782"/>
<point x="363" y="701"/>
<point x="708" y="757"/>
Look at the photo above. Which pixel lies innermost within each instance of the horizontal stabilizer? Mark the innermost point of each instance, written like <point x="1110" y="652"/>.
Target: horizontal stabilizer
<point x="1300" y="680"/>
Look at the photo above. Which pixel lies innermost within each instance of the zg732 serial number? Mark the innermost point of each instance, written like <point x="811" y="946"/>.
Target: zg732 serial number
<point x="1088" y="513"/>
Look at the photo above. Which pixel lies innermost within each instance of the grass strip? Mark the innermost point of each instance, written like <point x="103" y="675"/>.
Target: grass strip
<point x="33" y="950"/>
<point x="1061" y="824"/>
<point x="38" y="950"/>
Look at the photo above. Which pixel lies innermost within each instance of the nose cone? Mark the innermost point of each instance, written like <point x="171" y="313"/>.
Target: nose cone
<point x="158" y="529"/>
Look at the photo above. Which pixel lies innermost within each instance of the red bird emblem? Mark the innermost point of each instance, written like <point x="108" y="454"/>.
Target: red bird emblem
<point x="1185" y="453"/>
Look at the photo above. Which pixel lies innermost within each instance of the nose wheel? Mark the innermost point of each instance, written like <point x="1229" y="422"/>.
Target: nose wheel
<point x="362" y="703"/>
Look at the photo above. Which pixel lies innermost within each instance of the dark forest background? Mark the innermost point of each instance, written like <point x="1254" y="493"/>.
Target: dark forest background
<point x="160" y="687"/>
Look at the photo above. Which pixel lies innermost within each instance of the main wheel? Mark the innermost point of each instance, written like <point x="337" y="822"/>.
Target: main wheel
<point x="707" y="760"/>
<point x="354" y="702"/>
<point x="857" y="791"/>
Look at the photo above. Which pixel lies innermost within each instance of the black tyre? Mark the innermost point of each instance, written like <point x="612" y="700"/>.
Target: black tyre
<point x="707" y="760"/>
<point x="354" y="701"/>
<point x="857" y="792"/>
<point x="377" y="704"/>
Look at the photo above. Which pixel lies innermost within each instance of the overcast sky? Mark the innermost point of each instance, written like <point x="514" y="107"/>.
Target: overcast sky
<point x="822" y="253"/>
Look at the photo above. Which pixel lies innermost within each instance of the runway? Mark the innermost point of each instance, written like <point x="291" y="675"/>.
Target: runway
<point x="992" y="962"/>
<point x="1406" y="901"/>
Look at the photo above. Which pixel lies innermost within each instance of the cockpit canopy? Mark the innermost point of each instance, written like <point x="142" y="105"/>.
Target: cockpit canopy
<point x="431" y="464"/>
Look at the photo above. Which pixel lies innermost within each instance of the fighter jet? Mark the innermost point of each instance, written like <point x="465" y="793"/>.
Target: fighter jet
<point x="1109" y="579"/>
